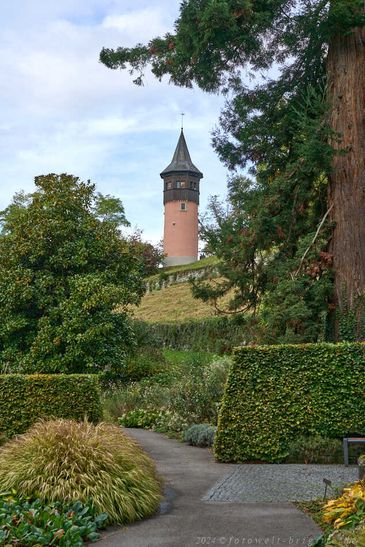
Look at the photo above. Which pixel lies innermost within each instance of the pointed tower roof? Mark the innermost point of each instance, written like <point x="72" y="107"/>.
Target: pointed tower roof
<point x="181" y="160"/>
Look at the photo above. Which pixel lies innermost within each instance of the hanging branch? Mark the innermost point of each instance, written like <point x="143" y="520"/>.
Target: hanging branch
<point x="313" y="240"/>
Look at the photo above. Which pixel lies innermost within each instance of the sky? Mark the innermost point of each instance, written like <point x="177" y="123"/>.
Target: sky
<point x="62" y="111"/>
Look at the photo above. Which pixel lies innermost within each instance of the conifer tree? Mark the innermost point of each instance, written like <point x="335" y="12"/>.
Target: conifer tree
<point x="299" y="128"/>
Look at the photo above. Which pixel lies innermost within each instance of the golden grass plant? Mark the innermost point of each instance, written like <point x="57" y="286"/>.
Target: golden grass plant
<point x="64" y="460"/>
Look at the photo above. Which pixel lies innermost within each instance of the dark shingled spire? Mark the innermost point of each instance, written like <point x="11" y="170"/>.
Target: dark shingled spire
<point x="181" y="161"/>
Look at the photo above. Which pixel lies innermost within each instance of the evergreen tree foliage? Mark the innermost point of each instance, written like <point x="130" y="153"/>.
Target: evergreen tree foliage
<point x="214" y="39"/>
<point x="271" y="254"/>
<point x="270" y="57"/>
<point x="66" y="280"/>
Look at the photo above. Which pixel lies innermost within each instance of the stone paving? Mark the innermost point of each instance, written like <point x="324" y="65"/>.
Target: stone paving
<point x="275" y="483"/>
<point x="187" y="518"/>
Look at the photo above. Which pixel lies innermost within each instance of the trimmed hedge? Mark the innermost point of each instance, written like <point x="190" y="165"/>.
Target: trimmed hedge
<point x="214" y="334"/>
<point x="26" y="398"/>
<point x="275" y="393"/>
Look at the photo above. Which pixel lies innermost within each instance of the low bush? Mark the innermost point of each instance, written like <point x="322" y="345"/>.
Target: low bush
<point x="189" y="393"/>
<point x="276" y="393"/>
<point x="147" y="395"/>
<point x="162" y="420"/>
<point x="66" y="461"/>
<point x="145" y="362"/>
<point x="197" y="397"/>
<point x="26" y="398"/>
<point x="31" y="522"/>
<point x="170" y="422"/>
<point x="200" y="435"/>
<point x="215" y="334"/>
<point x="139" y="418"/>
<point x="315" y="450"/>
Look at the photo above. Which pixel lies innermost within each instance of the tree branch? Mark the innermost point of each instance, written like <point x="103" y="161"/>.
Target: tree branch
<point x="313" y="240"/>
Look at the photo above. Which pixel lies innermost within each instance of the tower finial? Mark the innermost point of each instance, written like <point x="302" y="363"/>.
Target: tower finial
<point x="182" y="120"/>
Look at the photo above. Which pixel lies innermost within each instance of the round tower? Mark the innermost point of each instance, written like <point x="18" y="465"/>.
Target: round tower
<point x="181" y="201"/>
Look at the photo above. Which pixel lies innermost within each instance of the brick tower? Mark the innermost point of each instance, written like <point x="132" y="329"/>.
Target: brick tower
<point x="181" y="200"/>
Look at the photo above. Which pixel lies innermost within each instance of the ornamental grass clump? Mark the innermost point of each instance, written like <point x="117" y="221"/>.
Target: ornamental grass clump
<point x="67" y="461"/>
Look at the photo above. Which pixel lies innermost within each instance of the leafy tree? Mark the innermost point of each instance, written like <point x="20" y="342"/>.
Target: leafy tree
<point x="66" y="280"/>
<point x="299" y="126"/>
<point x="16" y="208"/>
<point x="105" y="208"/>
<point x="151" y="256"/>
<point x="110" y="209"/>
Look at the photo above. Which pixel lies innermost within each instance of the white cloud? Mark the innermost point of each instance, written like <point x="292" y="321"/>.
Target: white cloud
<point x="133" y="25"/>
<point x="63" y="111"/>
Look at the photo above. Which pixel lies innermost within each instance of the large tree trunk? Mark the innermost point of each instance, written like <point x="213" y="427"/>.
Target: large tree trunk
<point x="346" y="78"/>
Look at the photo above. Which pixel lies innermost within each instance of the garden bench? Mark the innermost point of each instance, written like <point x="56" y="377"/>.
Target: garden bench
<point x="346" y="442"/>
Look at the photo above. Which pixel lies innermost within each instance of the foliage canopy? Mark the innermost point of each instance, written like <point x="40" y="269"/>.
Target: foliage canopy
<point x="64" y="268"/>
<point x="270" y="58"/>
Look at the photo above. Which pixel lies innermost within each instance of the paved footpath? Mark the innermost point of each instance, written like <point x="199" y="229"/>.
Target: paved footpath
<point x="186" y="519"/>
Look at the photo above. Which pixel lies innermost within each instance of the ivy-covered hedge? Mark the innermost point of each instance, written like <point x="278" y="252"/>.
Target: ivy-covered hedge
<point x="275" y="393"/>
<point x="26" y="398"/>
<point x="214" y="334"/>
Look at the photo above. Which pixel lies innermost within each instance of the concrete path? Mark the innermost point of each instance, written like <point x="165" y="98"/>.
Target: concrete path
<point x="186" y="520"/>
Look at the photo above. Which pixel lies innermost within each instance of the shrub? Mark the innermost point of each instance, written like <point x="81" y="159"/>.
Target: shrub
<point x="162" y="420"/>
<point x="140" y="418"/>
<point x="66" y="461"/>
<point x="145" y="362"/>
<point x="275" y="393"/>
<point x="26" y="398"/>
<point x="200" y="435"/>
<point x="197" y="396"/>
<point x="215" y="334"/>
<point x="146" y="395"/>
<point x="169" y="421"/>
<point x="315" y="450"/>
<point x="189" y="393"/>
<point x="25" y="521"/>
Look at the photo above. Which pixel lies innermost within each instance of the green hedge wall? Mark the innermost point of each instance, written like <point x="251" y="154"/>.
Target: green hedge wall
<point x="25" y="398"/>
<point x="275" y="393"/>
<point x="215" y="334"/>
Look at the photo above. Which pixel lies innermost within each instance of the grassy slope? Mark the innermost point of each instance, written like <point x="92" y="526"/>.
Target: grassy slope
<point x="175" y="303"/>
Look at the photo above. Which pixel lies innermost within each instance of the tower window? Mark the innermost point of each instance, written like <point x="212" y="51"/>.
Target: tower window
<point x="169" y="186"/>
<point x="180" y="184"/>
<point x="183" y="206"/>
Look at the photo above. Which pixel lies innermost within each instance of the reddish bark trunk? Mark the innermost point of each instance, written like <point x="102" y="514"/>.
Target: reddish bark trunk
<point x="346" y="77"/>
